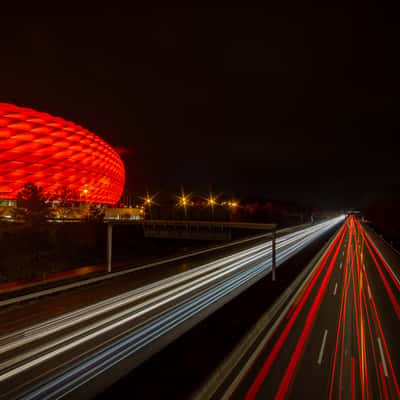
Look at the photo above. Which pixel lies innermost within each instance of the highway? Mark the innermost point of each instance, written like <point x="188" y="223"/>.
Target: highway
<point x="75" y="354"/>
<point x="336" y="336"/>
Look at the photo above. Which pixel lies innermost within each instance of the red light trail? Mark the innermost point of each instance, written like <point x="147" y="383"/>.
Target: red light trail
<point x="356" y="361"/>
<point x="268" y="364"/>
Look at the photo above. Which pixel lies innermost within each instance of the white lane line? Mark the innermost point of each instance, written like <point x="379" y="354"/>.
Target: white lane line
<point x="364" y="267"/>
<point x="335" y="290"/>
<point x="343" y="252"/>
<point x="385" y="371"/>
<point x="222" y="371"/>
<point x="369" y="292"/>
<point x="321" y="352"/>
<point x="341" y="265"/>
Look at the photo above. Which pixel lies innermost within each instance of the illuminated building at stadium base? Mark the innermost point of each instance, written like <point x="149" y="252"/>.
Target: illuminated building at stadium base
<point x="51" y="153"/>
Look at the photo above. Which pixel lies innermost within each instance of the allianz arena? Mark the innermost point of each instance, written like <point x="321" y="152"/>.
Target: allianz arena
<point x="52" y="152"/>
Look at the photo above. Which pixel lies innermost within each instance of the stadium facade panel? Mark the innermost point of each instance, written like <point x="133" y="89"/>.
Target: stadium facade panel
<point x="52" y="152"/>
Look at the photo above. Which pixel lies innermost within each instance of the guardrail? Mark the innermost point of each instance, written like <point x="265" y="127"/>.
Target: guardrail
<point x="194" y="224"/>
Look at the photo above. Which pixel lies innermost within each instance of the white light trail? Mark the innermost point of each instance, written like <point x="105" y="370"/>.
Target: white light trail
<point x="164" y="305"/>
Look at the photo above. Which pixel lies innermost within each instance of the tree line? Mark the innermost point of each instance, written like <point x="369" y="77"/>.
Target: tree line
<point x="35" y="206"/>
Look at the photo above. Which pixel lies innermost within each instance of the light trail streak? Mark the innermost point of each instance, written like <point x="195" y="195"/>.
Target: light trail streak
<point x="214" y="270"/>
<point x="363" y="354"/>
<point x="282" y="338"/>
<point x="372" y="347"/>
<point x="357" y="311"/>
<point x="389" y="270"/>
<point x="162" y="306"/>
<point x="382" y="345"/>
<point x="341" y="322"/>
<point x="360" y="337"/>
<point x="288" y="377"/>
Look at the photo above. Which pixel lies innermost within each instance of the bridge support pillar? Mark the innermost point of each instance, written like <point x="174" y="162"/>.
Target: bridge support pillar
<point x="274" y="255"/>
<point x="109" y="247"/>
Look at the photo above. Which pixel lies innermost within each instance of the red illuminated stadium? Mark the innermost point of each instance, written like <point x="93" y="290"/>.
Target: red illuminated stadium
<point x="52" y="152"/>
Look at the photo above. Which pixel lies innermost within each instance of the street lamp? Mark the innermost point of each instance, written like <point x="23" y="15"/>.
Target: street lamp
<point x="148" y="201"/>
<point x="85" y="192"/>
<point x="184" y="201"/>
<point x="88" y="205"/>
<point x="232" y="206"/>
<point x="212" y="201"/>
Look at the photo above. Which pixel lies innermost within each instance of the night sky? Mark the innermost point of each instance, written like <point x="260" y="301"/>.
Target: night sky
<point x="299" y="104"/>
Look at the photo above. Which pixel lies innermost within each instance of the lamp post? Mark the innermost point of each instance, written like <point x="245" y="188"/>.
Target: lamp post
<point x="232" y="206"/>
<point x="85" y="192"/>
<point x="109" y="247"/>
<point x="273" y="255"/>
<point x="211" y="201"/>
<point x="184" y="201"/>
<point x="148" y="201"/>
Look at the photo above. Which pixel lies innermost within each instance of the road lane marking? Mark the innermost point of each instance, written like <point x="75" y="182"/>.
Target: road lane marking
<point x="385" y="371"/>
<point x="341" y="265"/>
<point x="222" y="371"/>
<point x="334" y="291"/>
<point x="321" y="352"/>
<point x="369" y="292"/>
<point x="364" y="267"/>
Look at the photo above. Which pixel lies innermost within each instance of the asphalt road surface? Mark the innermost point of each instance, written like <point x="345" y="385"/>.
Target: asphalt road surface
<point x="340" y="336"/>
<point x="80" y="349"/>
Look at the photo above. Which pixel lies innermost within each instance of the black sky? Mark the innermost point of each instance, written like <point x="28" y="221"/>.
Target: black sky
<point x="295" y="104"/>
